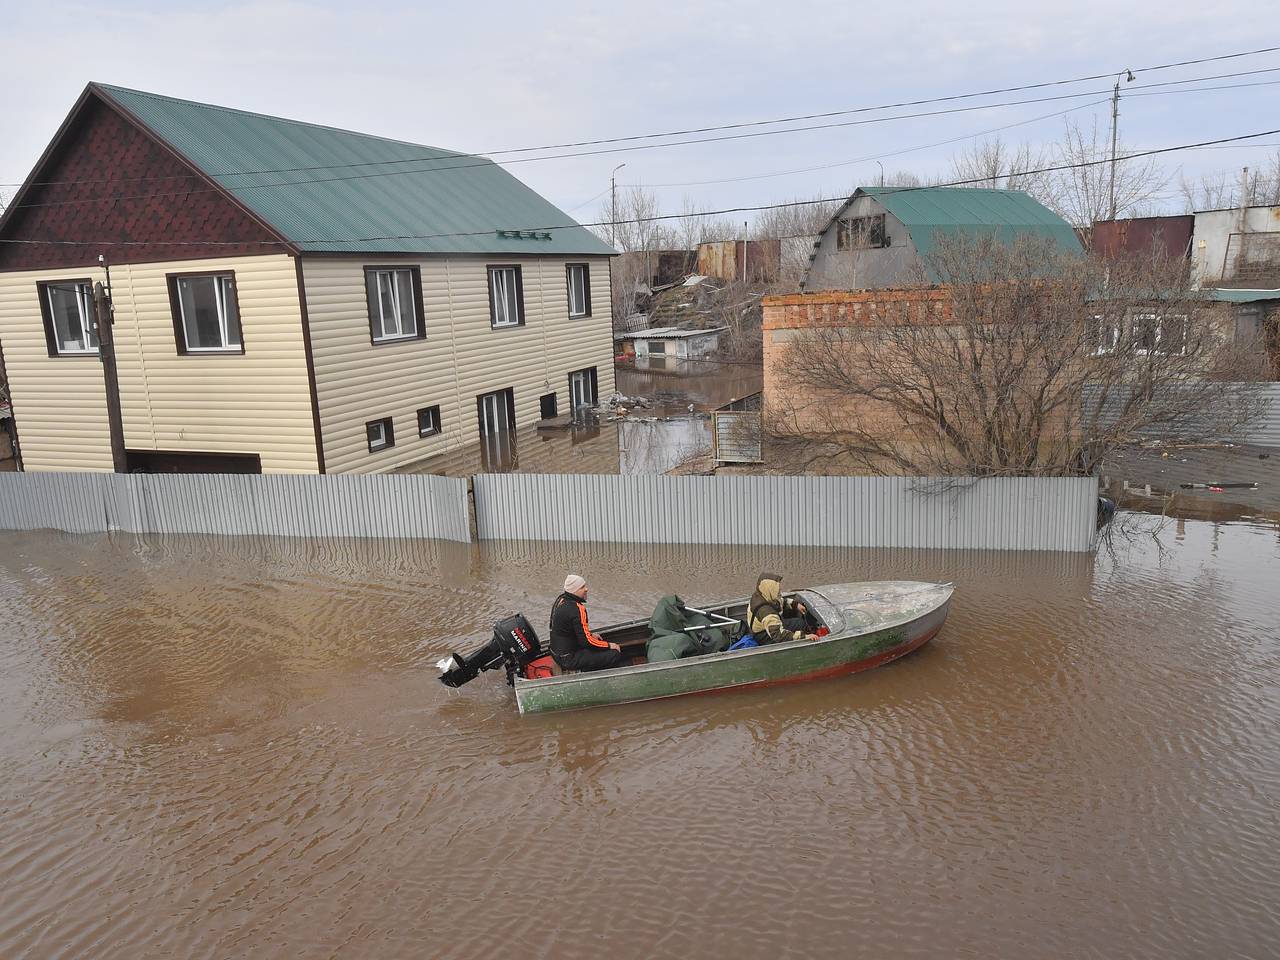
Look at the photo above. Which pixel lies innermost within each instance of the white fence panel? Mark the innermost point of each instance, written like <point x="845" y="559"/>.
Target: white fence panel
<point x="237" y="504"/>
<point x="958" y="513"/>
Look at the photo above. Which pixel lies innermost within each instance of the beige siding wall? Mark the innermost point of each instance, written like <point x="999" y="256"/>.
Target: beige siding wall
<point x="461" y="357"/>
<point x="258" y="402"/>
<point x="59" y="404"/>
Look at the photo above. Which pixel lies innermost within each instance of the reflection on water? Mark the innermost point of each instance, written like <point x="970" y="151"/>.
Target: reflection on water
<point x="215" y="747"/>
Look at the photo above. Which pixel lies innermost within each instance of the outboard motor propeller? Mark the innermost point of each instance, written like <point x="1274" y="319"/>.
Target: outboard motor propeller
<point x="514" y="645"/>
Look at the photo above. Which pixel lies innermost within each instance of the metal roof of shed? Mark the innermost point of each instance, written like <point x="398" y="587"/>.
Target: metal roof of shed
<point x="932" y="213"/>
<point x="1231" y="295"/>
<point x="671" y="333"/>
<point x="359" y="193"/>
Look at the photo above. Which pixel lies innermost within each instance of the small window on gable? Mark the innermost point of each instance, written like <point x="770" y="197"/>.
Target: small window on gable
<point x="394" y="295"/>
<point x="861" y="233"/>
<point x="506" y="297"/>
<point x="67" y="308"/>
<point x="206" y="314"/>
<point x="579" y="275"/>
<point x="380" y="434"/>
<point x="429" y="421"/>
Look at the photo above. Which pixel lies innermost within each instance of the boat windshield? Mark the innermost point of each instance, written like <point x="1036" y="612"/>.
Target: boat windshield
<point x="823" y="609"/>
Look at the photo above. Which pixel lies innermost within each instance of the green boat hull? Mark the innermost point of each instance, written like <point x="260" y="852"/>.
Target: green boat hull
<point x="909" y="615"/>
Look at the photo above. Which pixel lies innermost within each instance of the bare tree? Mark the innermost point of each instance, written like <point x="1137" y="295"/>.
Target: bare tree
<point x="1000" y="166"/>
<point x="796" y="228"/>
<point x="1033" y="363"/>
<point x="1082" y="193"/>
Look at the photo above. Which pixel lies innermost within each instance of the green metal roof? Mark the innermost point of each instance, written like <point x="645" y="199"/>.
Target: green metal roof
<point x="1227" y="295"/>
<point x="370" y="195"/>
<point x="930" y="213"/>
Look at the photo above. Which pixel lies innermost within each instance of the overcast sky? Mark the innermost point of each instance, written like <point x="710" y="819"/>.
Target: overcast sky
<point x="494" y="75"/>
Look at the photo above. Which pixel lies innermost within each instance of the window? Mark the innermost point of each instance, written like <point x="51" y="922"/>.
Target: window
<point x="394" y="295"/>
<point x="1106" y="334"/>
<point x="579" y="289"/>
<point x="380" y="434"/>
<point x="547" y="406"/>
<point x="861" y="233"/>
<point x="658" y="346"/>
<point x="206" y="315"/>
<point x="582" y="388"/>
<point x="67" y="308"/>
<point x="1160" y="334"/>
<point x="506" y="297"/>
<point x="429" y="421"/>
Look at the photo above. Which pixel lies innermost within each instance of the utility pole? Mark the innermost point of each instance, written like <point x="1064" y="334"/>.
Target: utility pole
<point x="1115" y="130"/>
<point x="613" y="206"/>
<point x="104" y="319"/>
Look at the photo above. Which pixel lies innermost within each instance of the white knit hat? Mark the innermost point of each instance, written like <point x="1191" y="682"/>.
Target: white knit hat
<point x="573" y="583"/>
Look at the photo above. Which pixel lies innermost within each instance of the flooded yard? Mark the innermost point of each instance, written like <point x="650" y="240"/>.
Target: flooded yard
<point x="672" y="426"/>
<point x="238" y="748"/>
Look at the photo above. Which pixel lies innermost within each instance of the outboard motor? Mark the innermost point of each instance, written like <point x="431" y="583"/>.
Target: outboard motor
<point x="514" y="645"/>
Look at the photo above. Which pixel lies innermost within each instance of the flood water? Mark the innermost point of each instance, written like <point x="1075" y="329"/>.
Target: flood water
<point x="672" y="426"/>
<point x="238" y="748"/>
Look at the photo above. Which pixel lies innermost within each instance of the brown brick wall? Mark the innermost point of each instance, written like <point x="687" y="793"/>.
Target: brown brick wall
<point x="162" y="215"/>
<point x="837" y="308"/>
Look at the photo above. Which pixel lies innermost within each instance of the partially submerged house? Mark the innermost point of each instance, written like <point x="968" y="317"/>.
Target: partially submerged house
<point x="288" y="297"/>
<point x="882" y="237"/>
<point x="670" y="342"/>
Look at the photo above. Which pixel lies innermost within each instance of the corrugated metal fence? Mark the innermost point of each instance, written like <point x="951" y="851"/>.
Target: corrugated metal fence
<point x="994" y="514"/>
<point x="268" y="505"/>
<point x="1262" y="428"/>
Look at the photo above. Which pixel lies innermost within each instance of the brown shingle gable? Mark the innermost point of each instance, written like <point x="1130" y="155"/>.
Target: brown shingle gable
<point x="148" y="205"/>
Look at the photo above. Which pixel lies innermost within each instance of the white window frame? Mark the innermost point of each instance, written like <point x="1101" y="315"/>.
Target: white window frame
<point x="220" y="299"/>
<point x="434" y="413"/>
<point x="391" y="275"/>
<point x="1159" y="322"/>
<point x="1101" y="327"/>
<point x="386" y="437"/>
<point x="509" y="274"/>
<point x="582" y="272"/>
<point x="84" y="307"/>
<point x="580" y="384"/>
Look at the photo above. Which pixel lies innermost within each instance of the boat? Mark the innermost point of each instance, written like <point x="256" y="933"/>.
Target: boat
<point x="861" y="626"/>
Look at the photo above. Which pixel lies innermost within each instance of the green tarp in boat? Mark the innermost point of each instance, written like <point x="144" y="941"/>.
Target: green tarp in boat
<point x="668" y="639"/>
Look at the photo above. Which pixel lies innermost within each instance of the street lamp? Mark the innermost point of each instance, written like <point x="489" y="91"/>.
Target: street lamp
<point x="881" y="166"/>
<point x="613" y="205"/>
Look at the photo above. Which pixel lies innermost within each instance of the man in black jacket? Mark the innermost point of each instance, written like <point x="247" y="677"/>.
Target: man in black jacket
<point x="573" y="644"/>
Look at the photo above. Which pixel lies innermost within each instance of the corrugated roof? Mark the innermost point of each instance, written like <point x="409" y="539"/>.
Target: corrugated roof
<point x="672" y="333"/>
<point x="932" y="212"/>
<point x="1228" y="295"/>
<point x="385" y="207"/>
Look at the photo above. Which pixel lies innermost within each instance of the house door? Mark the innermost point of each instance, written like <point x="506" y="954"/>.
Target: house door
<point x="582" y="388"/>
<point x="497" y="413"/>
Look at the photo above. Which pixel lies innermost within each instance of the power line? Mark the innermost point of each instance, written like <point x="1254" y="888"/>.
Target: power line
<point x="670" y="216"/>
<point x="731" y="126"/>
<point x="652" y="146"/>
<point x="880" y="156"/>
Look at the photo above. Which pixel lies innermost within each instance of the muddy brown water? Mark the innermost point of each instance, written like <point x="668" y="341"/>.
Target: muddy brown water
<point x="238" y="748"/>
